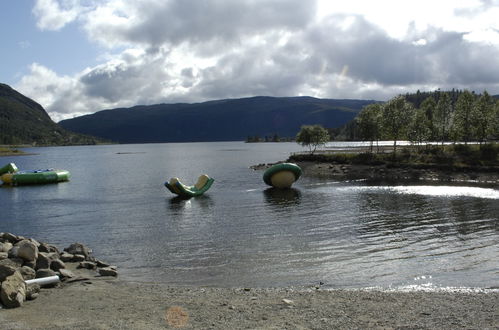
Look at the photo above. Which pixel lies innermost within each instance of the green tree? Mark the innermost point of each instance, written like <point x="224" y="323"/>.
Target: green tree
<point x="462" y="125"/>
<point x="482" y="117"/>
<point x="368" y="123"/>
<point x="442" y="117"/>
<point x="312" y="136"/>
<point x="395" y="116"/>
<point x="419" y="128"/>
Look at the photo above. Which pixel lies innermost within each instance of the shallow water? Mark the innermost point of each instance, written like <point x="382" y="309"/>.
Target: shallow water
<point x="242" y="233"/>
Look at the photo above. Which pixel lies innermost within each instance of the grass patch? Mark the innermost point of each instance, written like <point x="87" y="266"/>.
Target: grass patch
<point x="10" y="151"/>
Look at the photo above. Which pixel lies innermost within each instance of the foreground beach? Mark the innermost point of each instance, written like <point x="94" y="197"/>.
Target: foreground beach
<point x="109" y="303"/>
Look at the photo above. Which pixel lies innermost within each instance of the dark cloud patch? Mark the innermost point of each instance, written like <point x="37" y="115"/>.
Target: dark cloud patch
<point x="195" y="22"/>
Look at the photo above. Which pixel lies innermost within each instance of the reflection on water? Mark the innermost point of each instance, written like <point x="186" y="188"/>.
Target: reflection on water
<point x="281" y="197"/>
<point x="241" y="233"/>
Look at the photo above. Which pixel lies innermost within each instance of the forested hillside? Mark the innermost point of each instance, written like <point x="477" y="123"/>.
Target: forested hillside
<point x="221" y="120"/>
<point x="23" y="121"/>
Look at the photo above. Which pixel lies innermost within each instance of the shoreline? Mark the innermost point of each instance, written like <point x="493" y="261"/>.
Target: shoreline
<point x="109" y="303"/>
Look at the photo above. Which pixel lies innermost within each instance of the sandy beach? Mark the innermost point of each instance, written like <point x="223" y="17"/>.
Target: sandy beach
<point x="96" y="302"/>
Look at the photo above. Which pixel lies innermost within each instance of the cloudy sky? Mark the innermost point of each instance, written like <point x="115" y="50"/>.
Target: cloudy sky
<point x="81" y="56"/>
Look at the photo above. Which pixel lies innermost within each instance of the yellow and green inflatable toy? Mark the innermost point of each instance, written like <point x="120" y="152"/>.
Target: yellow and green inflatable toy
<point x="282" y="175"/>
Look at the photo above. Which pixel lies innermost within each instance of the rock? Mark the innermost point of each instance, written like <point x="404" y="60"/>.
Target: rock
<point x="101" y="264"/>
<point x="27" y="272"/>
<point x="68" y="257"/>
<point x="87" y="265"/>
<point x="14" y="262"/>
<point x="48" y="248"/>
<point x="13" y="252"/>
<point x="8" y="237"/>
<point x="65" y="273"/>
<point x="57" y="264"/>
<point x="6" y="270"/>
<point x="41" y="273"/>
<point x="5" y="247"/>
<point x="288" y="301"/>
<point x="78" y="258"/>
<point x="43" y="261"/>
<point x="3" y="255"/>
<point x="13" y="292"/>
<point x="78" y="248"/>
<point x="107" y="271"/>
<point x="27" y="250"/>
<point x="30" y="264"/>
<point x="32" y="291"/>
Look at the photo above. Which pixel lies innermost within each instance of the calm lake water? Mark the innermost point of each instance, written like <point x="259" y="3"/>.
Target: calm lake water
<point x="241" y="233"/>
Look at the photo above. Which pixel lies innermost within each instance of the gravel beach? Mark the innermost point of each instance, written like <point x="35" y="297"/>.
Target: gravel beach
<point x="97" y="302"/>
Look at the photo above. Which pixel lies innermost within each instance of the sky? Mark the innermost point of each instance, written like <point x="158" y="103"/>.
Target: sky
<point x="76" y="57"/>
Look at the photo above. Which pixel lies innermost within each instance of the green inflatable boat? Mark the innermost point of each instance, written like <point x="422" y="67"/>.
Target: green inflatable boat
<point x="282" y="175"/>
<point x="203" y="184"/>
<point x="10" y="175"/>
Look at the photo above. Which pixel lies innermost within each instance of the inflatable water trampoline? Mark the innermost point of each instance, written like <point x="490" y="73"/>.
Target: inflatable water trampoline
<point x="10" y="175"/>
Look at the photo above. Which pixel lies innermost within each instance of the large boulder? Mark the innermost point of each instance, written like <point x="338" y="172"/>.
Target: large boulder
<point x="28" y="250"/>
<point x="13" y="291"/>
<point x="78" y="248"/>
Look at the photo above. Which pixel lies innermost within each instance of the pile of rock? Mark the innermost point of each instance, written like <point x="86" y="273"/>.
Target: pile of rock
<point x="23" y="259"/>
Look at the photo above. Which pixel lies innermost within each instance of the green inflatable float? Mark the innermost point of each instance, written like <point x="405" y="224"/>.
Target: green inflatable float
<point x="282" y="175"/>
<point x="10" y="175"/>
<point x="203" y="184"/>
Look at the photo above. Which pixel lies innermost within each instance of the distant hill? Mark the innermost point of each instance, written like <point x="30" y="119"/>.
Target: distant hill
<point x="23" y="121"/>
<point x="221" y="120"/>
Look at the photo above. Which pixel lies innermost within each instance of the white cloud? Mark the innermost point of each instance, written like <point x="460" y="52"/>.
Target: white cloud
<point x="188" y="51"/>
<point x="54" y="14"/>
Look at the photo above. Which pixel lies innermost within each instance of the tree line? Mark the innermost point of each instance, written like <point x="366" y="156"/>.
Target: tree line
<point x="455" y="116"/>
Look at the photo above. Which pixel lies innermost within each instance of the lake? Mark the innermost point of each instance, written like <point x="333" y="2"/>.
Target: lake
<point x="241" y="233"/>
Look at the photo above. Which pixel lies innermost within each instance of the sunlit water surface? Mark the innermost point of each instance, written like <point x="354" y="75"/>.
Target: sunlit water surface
<point x="241" y="233"/>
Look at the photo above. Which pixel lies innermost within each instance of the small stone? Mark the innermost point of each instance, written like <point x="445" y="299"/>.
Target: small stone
<point x="78" y="258"/>
<point x="27" y="250"/>
<point x="68" y="257"/>
<point x="3" y="255"/>
<point x="32" y="291"/>
<point x="65" y="273"/>
<point x="107" y="271"/>
<point x="288" y="302"/>
<point x="41" y="273"/>
<point x="87" y="265"/>
<point x="78" y="248"/>
<point x="57" y="264"/>
<point x="101" y="264"/>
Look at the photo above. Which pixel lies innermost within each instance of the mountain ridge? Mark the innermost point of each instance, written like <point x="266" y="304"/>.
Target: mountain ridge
<point x="215" y="120"/>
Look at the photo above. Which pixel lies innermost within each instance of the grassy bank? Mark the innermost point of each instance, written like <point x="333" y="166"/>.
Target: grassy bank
<point x="10" y="151"/>
<point x="446" y="157"/>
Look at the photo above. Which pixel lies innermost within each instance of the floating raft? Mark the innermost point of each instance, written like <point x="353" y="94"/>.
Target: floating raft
<point x="9" y="174"/>
<point x="282" y="175"/>
<point x="203" y="184"/>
